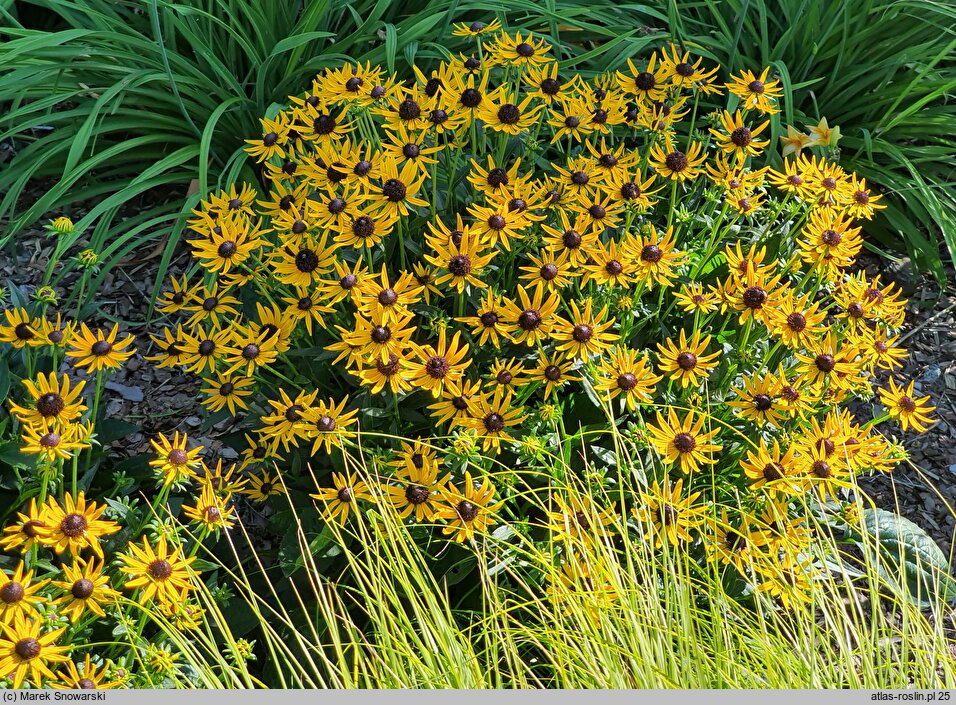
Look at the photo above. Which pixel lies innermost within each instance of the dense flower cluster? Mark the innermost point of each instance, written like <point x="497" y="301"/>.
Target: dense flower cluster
<point x="468" y="251"/>
<point x="482" y="265"/>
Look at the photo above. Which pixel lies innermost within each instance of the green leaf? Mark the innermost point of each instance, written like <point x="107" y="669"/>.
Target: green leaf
<point x="910" y="561"/>
<point x="109" y="430"/>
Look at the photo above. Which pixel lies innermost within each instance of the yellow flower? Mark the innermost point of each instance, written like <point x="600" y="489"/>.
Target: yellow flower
<point x="329" y="424"/>
<point x="211" y="511"/>
<point x="627" y="372"/>
<point x="437" y="367"/>
<point x="672" y="163"/>
<point x="29" y="530"/>
<point x="667" y="514"/>
<point x="902" y="404"/>
<point x="174" y="461"/>
<point x="341" y="499"/>
<point x="85" y="588"/>
<point x="77" y="525"/>
<point x="756" y="92"/>
<point x="95" y="352"/>
<point x="57" y="404"/>
<point x="163" y="574"/>
<point x="417" y="493"/>
<point x="737" y="138"/>
<point x="823" y="135"/>
<point x="18" y="597"/>
<point x="469" y="510"/>
<point x="23" y="650"/>
<point x="686" y="361"/>
<point x="585" y="334"/>
<point x="86" y="678"/>
<point x="684" y="441"/>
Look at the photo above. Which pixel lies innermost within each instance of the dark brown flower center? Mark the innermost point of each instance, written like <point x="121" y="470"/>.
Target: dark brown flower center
<point x="23" y="331"/>
<point x="829" y="183"/>
<point x="387" y="297"/>
<point x="550" y="86"/>
<point x="416" y="494"/>
<point x="651" y="253"/>
<point x="101" y="348"/>
<point x="630" y="191"/>
<point x="821" y="469"/>
<point x="831" y="237"/>
<point x="345" y="494"/>
<point x="11" y="592"/>
<point x="613" y="267"/>
<point x="524" y="49"/>
<point x="27" y="649"/>
<point x="325" y="424"/>
<point x="29" y="528"/>
<point x="684" y="442"/>
<point x="796" y="322"/>
<point x="762" y="402"/>
<point x="496" y="222"/>
<point x="394" y="190"/>
<point x="626" y="381"/>
<point x="549" y="271"/>
<point x="86" y="684"/>
<point x="497" y="177"/>
<point x="380" y="334"/>
<point x="579" y="178"/>
<point x="644" y="81"/>
<point x="597" y="211"/>
<point x="855" y="310"/>
<point x="471" y="98"/>
<point x="363" y="227"/>
<point x="294" y="413"/>
<point x="772" y="471"/>
<point x="756" y="87"/>
<point x="684" y="69"/>
<point x="907" y="404"/>
<point x="50" y="404"/>
<point x="825" y="362"/>
<point x="504" y="377"/>
<point x="466" y="510"/>
<point x="571" y="122"/>
<point x="306" y="261"/>
<point x="387" y="368"/>
<point x="509" y="114"/>
<point x="489" y="319"/>
<point x="160" y="569"/>
<point x="582" y="333"/>
<point x="687" y="360"/>
<point x="571" y="239"/>
<point x="459" y="265"/>
<point x="411" y="151"/>
<point x="82" y="589"/>
<point x="676" y="162"/>
<point x="251" y="351"/>
<point x="861" y="197"/>
<point x="552" y="373"/>
<point x="754" y="297"/>
<point x="437" y="367"/>
<point x="269" y="139"/>
<point x="494" y="422"/>
<point x="324" y="124"/>
<point x="529" y="319"/>
<point x="73" y="525"/>
<point x="741" y="137"/>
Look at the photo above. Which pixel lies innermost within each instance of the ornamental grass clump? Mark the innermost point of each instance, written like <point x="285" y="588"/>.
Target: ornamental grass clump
<point x="498" y="256"/>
